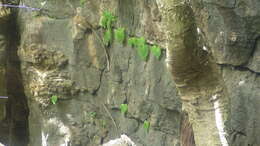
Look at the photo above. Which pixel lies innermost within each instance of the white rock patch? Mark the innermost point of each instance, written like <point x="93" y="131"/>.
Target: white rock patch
<point x="124" y="140"/>
<point x="219" y="122"/>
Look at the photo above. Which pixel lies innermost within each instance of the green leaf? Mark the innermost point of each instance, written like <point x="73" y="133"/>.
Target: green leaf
<point x="82" y="2"/>
<point x="146" y="125"/>
<point x="120" y="35"/>
<point x="156" y="51"/>
<point x="142" y="48"/>
<point x="141" y="41"/>
<point x="143" y="51"/>
<point x="132" y="41"/>
<point x="93" y="114"/>
<point x="108" y="37"/>
<point x="103" y="22"/>
<point x="54" y="99"/>
<point x="107" y="20"/>
<point x="123" y="108"/>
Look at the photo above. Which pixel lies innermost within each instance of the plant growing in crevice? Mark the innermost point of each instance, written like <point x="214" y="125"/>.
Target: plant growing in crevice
<point x="92" y="115"/>
<point x="142" y="47"/>
<point x="146" y="125"/>
<point x="106" y="22"/>
<point x="82" y="2"/>
<point x="123" y="108"/>
<point x="54" y="99"/>
<point x="156" y="51"/>
<point x="108" y="37"/>
<point x="139" y="43"/>
<point x="120" y="35"/>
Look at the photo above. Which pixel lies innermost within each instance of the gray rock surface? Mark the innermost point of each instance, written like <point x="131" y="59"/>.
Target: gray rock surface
<point x="230" y="30"/>
<point x="60" y="58"/>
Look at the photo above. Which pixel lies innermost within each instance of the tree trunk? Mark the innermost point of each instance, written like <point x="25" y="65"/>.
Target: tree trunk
<point x="196" y="77"/>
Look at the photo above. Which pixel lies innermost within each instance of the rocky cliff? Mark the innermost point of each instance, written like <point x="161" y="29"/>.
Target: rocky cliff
<point x="55" y="48"/>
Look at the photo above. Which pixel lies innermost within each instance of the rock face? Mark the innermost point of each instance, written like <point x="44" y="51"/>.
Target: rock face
<point x="54" y="52"/>
<point x="61" y="56"/>
<point x="231" y="32"/>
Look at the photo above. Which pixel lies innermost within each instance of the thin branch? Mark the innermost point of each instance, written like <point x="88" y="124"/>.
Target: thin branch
<point x="20" y="6"/>
<point x="110" y="117"/>
<point x="5" y="97"/>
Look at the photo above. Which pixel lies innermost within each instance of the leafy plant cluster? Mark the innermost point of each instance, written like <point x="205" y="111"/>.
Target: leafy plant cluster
<point x="82" y="2"/>
<point x="140" y="44"/>
<point x="143" y="48"/>
<point x="124" y="109"/>
<point x="54" y="99"/>
<point x="146" y="125"/>
<point x="106" y="22"/>
<point x="92" y="115"/>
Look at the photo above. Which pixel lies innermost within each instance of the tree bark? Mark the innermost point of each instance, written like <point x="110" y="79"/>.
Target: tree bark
<point x="196" y="76"/>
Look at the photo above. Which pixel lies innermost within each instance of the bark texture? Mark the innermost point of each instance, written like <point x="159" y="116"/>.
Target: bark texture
<point x="197" y="78"/>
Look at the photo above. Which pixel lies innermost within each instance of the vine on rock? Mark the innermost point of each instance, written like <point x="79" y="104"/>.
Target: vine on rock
<point x="107" y="21"/>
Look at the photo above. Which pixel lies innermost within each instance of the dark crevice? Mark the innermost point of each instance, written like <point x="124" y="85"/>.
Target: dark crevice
<point x="100" y="82"/>
<point x="187" y="135"/>
<point x="221" y="6"/>
<point x="253" y="50"/>
<point x="239" y="68"/>
<point x="17" y="109"/>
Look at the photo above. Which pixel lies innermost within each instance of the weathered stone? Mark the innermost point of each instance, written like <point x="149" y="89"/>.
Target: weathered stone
<point x="123" y="141"/>
<point x="254" y="63"/>
<point x="60" y="52"/>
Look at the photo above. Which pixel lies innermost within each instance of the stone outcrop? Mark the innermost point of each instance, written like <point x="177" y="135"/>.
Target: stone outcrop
<point x="53" y="52"/>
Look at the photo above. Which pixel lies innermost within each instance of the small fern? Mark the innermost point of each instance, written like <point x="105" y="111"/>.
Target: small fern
<point x="140" y="44"/>
<point x="108" y="37"/>
<point x="120" y="35"/>
<point x="143" y="51"/>
<point x="107" y="20"/>
<point x="92" y="114"/>
<point x="132" y="41"/>
<point x="123" y="108"/>
<point x="82" y="2"/>
<point x="142" y="47"/>
<point x="156" y="51"/>
<point x="146" y="125"/>
<point x="54" y="99"/>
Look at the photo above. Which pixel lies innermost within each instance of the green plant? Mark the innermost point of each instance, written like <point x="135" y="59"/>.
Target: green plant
<point x="103" y="123"/>
<point x="120" y="35"/>
<point x="106" y="22"/>
<point x="146" y="125"/>
<point x="140" y="44"/>
<point x="123" y="108"/>
<point x="93" y="114"/>
<point x="54" y="99"/>
<point x="142" y="47"/>
<point x="132" y="41"/>
<point x="156" y="51"/>
<point x="107" y="37"/>
<point x="82" y="2"/>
